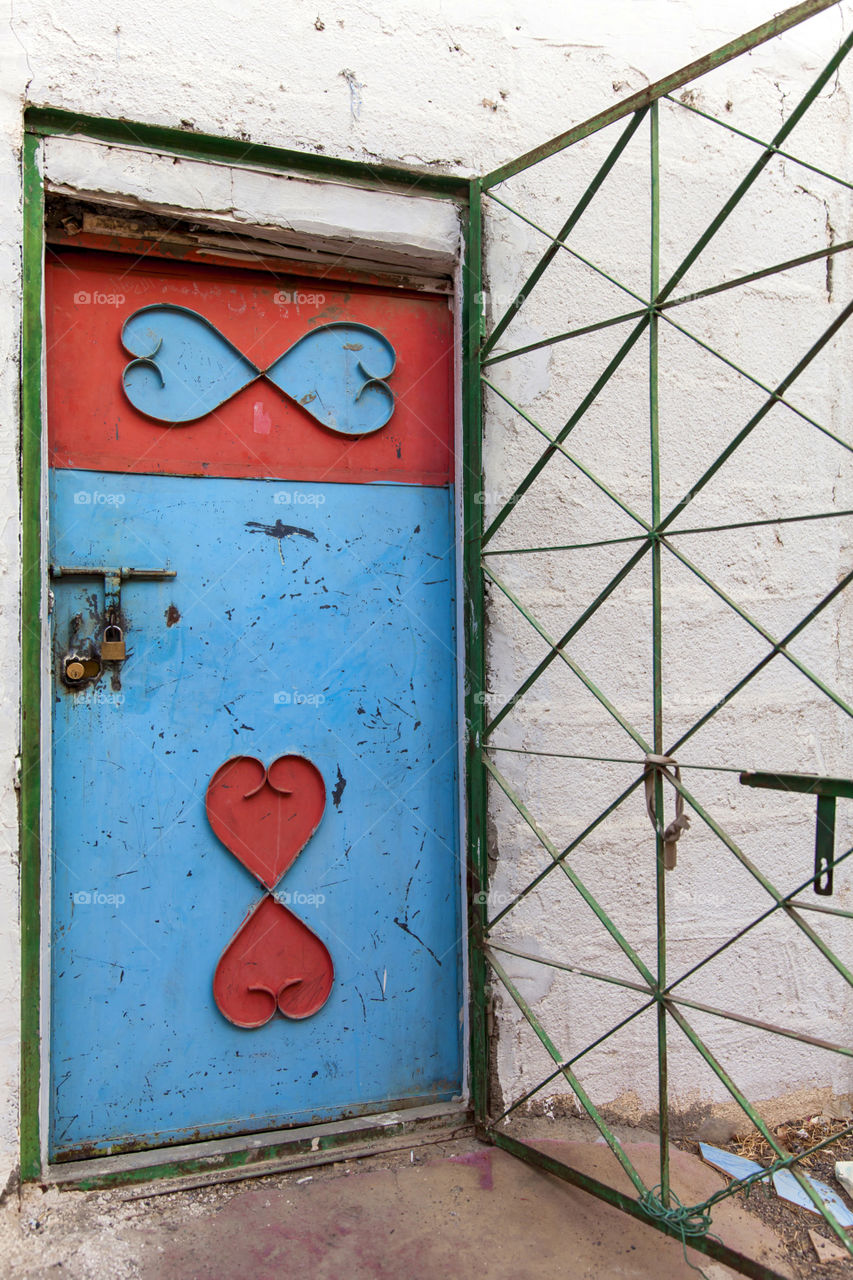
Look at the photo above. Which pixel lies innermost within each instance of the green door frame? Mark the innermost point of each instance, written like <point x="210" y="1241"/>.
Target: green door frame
<point x="41" y="123"/>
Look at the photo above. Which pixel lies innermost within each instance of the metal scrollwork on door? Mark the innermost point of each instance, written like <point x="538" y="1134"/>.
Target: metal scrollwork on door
<point x="184" y="368"/>
<point x="265" y="816"/>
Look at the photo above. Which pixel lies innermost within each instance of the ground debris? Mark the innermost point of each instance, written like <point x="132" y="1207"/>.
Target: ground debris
<point x="827" y="1250"/>
<point x="796" y="1226"/>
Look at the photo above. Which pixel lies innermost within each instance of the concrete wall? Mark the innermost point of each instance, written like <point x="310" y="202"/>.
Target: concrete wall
<point x="460" y="89"/>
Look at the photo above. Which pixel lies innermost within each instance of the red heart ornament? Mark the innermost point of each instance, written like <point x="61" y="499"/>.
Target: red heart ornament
<point x="266" y="816"/>
<point x="273" y="961"/>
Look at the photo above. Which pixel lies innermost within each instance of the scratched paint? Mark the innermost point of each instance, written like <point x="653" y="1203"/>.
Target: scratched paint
<point x="333" y="638"/>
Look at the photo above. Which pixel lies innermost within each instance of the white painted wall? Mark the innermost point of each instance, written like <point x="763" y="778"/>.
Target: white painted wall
<point x="460" y="88"/>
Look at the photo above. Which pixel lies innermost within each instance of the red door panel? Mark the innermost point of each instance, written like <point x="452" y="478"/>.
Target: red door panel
<point x="258" y="432"/>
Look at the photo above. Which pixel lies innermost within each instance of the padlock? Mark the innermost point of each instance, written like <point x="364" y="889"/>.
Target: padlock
<point x="112" y="646"/>
<point x="79" y="668"/>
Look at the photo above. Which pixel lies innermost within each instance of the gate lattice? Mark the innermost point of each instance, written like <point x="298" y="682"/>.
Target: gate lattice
<point x="654" y="758"/>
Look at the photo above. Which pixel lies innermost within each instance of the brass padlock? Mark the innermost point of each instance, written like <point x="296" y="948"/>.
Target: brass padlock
<point x="112" y="646"/>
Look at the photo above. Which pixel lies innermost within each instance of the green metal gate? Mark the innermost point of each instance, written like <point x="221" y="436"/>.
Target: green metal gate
<point x="647" y="544"/>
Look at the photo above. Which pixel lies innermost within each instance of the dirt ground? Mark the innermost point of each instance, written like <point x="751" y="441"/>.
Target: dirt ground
<point x="446" y="1209"/>
<point x="791" y="1223"/>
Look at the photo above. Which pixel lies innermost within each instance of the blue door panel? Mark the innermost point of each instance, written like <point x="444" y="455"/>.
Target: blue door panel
<point x="317" y="620"/>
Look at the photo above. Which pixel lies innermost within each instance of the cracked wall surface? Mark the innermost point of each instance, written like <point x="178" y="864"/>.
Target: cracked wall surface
<point x="461" y="89"/>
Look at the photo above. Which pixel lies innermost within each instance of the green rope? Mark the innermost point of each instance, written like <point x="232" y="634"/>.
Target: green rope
<point x="689" y="1222"/>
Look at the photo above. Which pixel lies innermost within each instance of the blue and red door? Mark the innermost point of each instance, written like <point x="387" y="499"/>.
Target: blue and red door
<point x="255" y="910"/>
